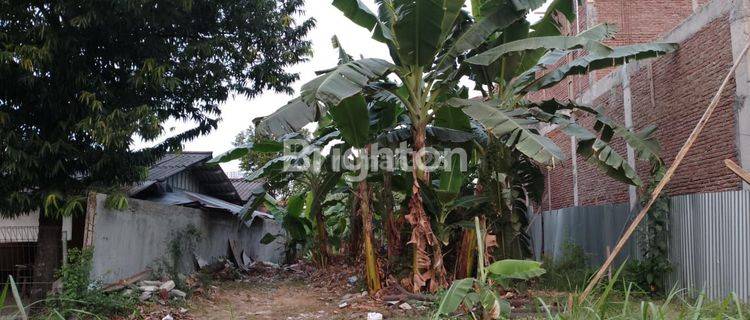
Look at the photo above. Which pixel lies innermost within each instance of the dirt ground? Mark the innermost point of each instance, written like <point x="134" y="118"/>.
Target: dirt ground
<point x="287" y="299"/>
<point x="280" y="294"/>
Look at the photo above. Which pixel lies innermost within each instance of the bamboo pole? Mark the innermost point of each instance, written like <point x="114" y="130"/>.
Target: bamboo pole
<point x="742" y="173"/>
<point x="667" y="177"/>
<point x="609" y="270"/>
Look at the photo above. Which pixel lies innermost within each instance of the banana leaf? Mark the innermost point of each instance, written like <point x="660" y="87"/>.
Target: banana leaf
<point x="514" y="127"/>
<point x="344" y="81"/>
<point x="585" y="64"/>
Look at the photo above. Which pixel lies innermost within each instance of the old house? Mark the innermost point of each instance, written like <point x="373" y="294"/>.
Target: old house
<point x="182" y="194"/>
<point x="184" y="179"/>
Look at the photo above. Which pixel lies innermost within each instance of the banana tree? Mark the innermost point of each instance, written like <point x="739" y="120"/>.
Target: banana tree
<point x="478" y="292"/>
<point x="315" y="183"/>
<point x="435" y="43"/>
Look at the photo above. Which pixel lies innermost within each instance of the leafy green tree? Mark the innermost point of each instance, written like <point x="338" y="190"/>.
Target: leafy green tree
<point x="80" y="80"/>
<point x="253" y="160"/>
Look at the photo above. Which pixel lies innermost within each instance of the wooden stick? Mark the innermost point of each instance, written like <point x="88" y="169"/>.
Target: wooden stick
<point x="742" y="173"/>
<point x="667" y="176"/>
<point x="122" y="283"/>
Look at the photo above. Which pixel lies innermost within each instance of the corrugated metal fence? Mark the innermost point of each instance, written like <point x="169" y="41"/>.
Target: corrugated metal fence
<point x="709" y="244"/>
<point x="593" y="229"/>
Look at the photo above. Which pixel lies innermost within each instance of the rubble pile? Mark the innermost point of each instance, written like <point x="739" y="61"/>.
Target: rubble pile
<point x="166" y="290"/>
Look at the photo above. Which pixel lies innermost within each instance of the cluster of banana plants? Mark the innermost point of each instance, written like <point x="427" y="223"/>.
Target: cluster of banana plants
<point x="422" y="220"/>
<point x="477" y="295"/>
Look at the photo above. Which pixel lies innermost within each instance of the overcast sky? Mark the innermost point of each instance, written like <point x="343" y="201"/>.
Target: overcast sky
<point x="238" y="111"/>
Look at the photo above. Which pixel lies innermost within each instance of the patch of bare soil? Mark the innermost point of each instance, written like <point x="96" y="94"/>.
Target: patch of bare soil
<point x="295" y="294"/>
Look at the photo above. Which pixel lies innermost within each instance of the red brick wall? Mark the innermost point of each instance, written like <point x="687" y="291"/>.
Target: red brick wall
<point x="683" y="84"/>
<point x="638" y="21"/>
<point x="641" y="20"/>
<point x="593" y="186"/>
<point x="559" y="177"/>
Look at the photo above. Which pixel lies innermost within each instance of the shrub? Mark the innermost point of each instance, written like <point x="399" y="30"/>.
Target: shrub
<point x="81" y="296"/>
<point x="569" y="272"/>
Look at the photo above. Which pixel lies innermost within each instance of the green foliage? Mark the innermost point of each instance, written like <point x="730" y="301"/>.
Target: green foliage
<point x="81" y="296"/>
<point x="288" y="119"/>
<point x="83" y="80"/>
<point x="17" y="298"/>
<point x="415" y="99"/>
<point x="514" y="127"/>
<point x="352" y="119"/>
<point x="616" y="299"/>
<point x="509" y="178"/>
<point x="505" y="270"/>
<point x="116" y="201"/>
<point x="3" y="295"/>
<point x="344" y="81"/>
<point x="570" y="272"/>
<point x="588" y="63"/>
<point x="454" y="296"/>
<point x="253" y="149"/>
<point x="655" y="267"/>
<point x="297" y="226"/>
<point x="556" y="42"/>
<point x="472" y="292"/>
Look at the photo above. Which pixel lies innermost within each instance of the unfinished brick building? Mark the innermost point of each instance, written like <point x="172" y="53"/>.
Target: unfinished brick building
<point x="709" y="203"/>
<point x="671" y="92"/>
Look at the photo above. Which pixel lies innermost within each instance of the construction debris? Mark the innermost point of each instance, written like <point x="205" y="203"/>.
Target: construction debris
<point x="169" y="285"/>
<point x="405" y="306"/>
<point x="165" y="290"/>
<point x="120" y="284"/>
<point x="374" y="316"/>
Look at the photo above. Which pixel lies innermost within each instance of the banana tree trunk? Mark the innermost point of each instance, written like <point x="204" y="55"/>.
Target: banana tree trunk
<point x="467" y="248"/>
<point x="354" y="247"/>
<point x="321" y="234"/>
<point x="372" y="276"/>
<point x="426" y="271"/>
<point x="392" y="225"/>
<point x="466" y="255"/>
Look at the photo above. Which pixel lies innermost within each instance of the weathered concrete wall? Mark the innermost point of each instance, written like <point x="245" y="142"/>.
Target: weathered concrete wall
<point x="127" y="242"/>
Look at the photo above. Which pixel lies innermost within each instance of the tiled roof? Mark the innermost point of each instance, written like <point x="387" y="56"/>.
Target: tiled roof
<point x="174" y="163"/>
<point x="245" y="188"/>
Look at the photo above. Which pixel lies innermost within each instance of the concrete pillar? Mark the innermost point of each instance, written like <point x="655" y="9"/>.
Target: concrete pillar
<point x="573" y="147"/>
<point x="628" y="115"/>
<point x="590" y="22"/>
<point x="740" y="31"/>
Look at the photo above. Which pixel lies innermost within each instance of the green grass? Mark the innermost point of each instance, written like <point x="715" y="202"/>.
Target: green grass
<point x="620" y="297"/>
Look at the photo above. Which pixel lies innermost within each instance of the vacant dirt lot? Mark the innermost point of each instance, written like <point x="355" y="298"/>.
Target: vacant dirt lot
<point x="269" y="294"/>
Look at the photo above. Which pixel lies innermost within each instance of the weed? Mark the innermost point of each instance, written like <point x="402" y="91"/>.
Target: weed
<point x="567" y="273"/>
<point x="80" y="295"/>
<point x="609" y="303"/>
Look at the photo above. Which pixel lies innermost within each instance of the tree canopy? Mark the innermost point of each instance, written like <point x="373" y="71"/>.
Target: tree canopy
<point x="80" y="80"/>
